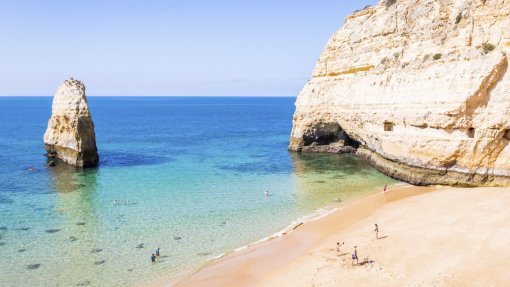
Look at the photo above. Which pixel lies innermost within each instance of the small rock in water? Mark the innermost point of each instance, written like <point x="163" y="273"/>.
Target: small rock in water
<point x="99" y="262"/>
<point x="2" y="243"/>
<point x="32" y="169"/>
<point x="51" y="164"/>
<point x="80" y="223"/>
<point x="177" y="238"/>
<point x="24" y="228"/>
<point x="96" y="250"/>
<point x="130" y="269"/>
<point x="3" y="228"/>
<point x="84" y="283"/>
<point x="140" y="245"/>
<point x="22" y="250"/>
<point x="33" y="266"/>
<point x="52" y="230"/>
<point x="204" y="253"/>
<point x="72" y="238"/>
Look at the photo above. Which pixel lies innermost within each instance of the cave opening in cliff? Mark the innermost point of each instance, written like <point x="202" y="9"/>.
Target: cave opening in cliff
<point x="327" y="134"/>
<point x="506" y="135"/>
<point x="388" y="126"/>
<point x="471" y="133"/>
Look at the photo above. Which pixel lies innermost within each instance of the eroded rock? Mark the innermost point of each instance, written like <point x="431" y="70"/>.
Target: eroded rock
<point x="70" y="134"/>
<point x="422" y="87"/>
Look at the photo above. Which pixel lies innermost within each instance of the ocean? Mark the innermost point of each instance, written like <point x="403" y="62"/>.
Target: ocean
<point x="186" y="174"/>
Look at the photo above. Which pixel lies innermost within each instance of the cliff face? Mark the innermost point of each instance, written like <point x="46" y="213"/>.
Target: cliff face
<point x="421" y="86"/>
<point x="70" y="134"/>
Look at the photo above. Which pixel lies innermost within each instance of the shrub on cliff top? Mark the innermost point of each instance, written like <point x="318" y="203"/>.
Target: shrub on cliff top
<point x="437" y="56"/>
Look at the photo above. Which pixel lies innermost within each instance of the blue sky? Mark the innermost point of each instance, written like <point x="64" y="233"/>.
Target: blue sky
<point x="165" y="48"/>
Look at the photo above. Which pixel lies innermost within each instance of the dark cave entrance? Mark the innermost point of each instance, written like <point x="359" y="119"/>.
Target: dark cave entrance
<point x="329" y="134"/>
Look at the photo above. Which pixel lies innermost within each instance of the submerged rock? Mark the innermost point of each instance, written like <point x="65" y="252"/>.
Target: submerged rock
<point x="33" y="266"/>
<point x="419" y="88"/>
<point x="70" y="134"/>
<point x="52" y="230"/>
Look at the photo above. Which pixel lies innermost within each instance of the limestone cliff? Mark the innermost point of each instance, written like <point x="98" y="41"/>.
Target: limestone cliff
<point x="420" y="87"/>
<point x="70" y="134"/>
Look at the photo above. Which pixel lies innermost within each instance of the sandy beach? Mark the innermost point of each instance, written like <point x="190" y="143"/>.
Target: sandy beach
<point x="429" y="236"/>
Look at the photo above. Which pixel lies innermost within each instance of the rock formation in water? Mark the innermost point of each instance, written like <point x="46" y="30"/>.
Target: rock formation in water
<point x="70" y="134"/>
<point x="420" y="88"/>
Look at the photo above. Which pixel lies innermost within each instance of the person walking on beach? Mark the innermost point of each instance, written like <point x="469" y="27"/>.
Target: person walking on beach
<point x="153" y="258"/>
<point x="355" y="256"/>
<point x="338" y="253"/>
<point x="376" y="230"/>
<point x="157" y="252"/>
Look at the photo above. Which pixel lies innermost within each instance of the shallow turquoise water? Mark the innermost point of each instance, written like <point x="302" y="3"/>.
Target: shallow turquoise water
<point x="187" y="175"/>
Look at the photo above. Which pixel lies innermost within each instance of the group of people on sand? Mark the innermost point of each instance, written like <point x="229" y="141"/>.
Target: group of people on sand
<point x="155" y="255"/>
<point x="354" y="254"/>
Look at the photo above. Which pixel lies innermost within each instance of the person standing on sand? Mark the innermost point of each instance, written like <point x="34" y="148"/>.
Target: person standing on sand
<point x="157" y="252"/>
<point x="355" y="256"/>
<point x="338" y="248"/>
<point x="376" y="230"/>
<point x="153" y="258"/>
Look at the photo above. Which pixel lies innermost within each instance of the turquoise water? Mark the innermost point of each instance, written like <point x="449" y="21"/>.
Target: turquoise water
<point x="187" y="175"/>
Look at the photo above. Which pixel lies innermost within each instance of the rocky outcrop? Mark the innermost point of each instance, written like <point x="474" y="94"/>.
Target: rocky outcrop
<point x="421" y="86"/>
<point x="70" y="134"/>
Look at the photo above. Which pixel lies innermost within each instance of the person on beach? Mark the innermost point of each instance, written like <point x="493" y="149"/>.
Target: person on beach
<point x="338" y="253"/>
<point x="153" y="258"/>
<point x="157" y="252"/>
<point x="376" y="230"/>
<point x="266" y="193"/>
<point x="385" y="188"/>
<point x="355" y="256"/>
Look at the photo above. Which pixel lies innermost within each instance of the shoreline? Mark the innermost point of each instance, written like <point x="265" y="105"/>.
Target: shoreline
<point x="439" y="236"/>
<point x="319" y="214"/>
<point x="397" y="191"/>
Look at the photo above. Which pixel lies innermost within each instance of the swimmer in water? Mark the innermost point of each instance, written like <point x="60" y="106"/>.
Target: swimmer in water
<point x="266" y="193"/>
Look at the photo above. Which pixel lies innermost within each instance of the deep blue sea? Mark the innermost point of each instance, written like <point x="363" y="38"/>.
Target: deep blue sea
<point x="184" y="174"/>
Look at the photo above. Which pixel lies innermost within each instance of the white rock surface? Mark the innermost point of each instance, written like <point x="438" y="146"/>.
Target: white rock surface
<point x="422" y="85"/>
<point x="70" y="134"/>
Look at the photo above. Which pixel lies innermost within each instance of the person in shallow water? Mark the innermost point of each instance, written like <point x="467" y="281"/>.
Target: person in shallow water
<point x="266" y="193"/>
<point x="157" y="252"/>
<point x="153" y="258"/>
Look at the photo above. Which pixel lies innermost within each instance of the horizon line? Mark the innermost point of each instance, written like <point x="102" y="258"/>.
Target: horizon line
<point x="149" y="96"/>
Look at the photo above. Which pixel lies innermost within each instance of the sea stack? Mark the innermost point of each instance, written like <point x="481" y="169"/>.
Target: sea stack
<point x="419" y="88"/>
<point x="70" y="134"/>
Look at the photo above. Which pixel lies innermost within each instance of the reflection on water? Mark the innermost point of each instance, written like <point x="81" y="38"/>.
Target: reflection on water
<point x="323" y="163"/>
<point x="327" y="178"/>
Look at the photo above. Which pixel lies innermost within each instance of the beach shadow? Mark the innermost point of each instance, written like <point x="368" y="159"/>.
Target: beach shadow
<point x="366" y="262"/>
<point x="382" y="237"/>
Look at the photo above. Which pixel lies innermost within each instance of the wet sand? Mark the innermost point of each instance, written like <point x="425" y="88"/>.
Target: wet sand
<point x="429" y="237"/>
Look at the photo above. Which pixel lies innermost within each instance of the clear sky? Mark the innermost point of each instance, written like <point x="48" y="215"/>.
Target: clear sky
<point x="165" y="48"/>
